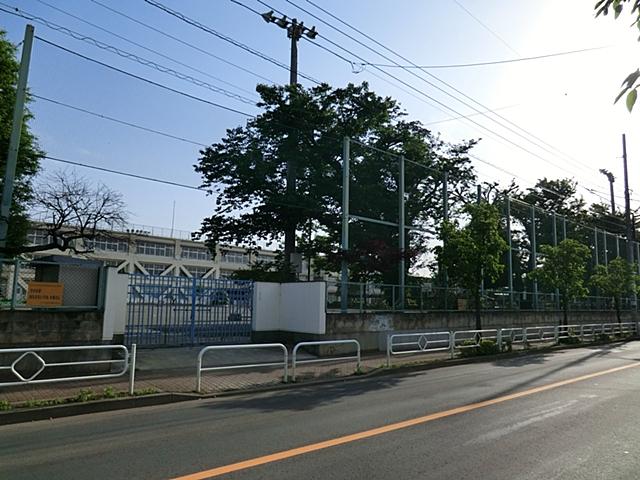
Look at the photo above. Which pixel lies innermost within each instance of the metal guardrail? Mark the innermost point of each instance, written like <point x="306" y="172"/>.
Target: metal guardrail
<point x="295" y="362"/>
<point x="199" y="368"/>
<point x="541" y="334"/>
<point x="424" y="342"/>
<point x="36" y="354"/>
<point x="474" y="337"/>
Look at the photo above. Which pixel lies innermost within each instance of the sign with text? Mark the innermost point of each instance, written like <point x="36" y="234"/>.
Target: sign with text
<point x="45" y="294"/>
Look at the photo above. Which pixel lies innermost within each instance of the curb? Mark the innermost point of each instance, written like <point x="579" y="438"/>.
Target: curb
<point x="24" y="415"/>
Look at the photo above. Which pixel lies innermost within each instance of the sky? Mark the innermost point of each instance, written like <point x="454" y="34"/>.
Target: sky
<point x="556" y="115"/>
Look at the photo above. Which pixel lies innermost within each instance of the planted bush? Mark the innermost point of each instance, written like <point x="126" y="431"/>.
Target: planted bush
<point x="484" y="347"/>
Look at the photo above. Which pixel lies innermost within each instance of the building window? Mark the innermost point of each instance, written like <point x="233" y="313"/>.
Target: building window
<point x="39" y="237"/>
<point x="235" y="257"/>
<point x="195" y="253"/>
<point x="260" y="257"/>
<point x="197" y="272"/>
<point x="106" y="244"/>
<point x="225" y="274"/>
<point x="154" y="268"/>
<point x="155" y="249"/>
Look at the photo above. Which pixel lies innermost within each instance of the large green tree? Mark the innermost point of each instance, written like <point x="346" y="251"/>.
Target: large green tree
<point x="564" y="268"/>
<point x="246" y="173"/>
<point x="474" y="251"/>
<point x="29" y="153"/>
<point x="617" y="279"/>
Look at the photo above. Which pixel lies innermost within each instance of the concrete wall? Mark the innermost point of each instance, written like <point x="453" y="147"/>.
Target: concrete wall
<point x="371" y="329"/>
<point x="115" y="305"/>
<point x="289" y="307"/>
<point x="41" y="328"/>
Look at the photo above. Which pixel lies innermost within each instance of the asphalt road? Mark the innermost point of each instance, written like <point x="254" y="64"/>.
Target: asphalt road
<point x="525" y="418"/>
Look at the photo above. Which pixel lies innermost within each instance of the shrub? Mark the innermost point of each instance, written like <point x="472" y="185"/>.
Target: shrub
<point x="570" y="340"/>
<point x="109" y="392"/>
<point x="5" y="405"/>
<point x="85" y="395"/>
<point x="473" y="349"/>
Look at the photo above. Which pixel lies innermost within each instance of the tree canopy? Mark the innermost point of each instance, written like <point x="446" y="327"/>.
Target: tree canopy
<point x="473" y="252"/>
<point x="617" y="279"/>
<point x="246" y="173"/>
<point x="564" y="267"/>
<point x="632" y="82"/>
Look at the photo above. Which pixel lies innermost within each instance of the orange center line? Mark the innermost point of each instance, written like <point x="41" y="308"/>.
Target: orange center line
<point x="314" y="447"/>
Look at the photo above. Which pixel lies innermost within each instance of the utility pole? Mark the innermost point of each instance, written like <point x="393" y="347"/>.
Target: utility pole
<point x="627" y="211"/>
<point x="16" y="132"/>
<point x="295" y="30"/>
<point x="611" y="179"/>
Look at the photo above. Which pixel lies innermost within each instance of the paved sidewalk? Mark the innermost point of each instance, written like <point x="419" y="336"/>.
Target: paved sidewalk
<point x="174" y="370"/>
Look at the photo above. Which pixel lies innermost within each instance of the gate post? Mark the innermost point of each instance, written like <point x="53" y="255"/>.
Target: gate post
<point x="193" y="310"/>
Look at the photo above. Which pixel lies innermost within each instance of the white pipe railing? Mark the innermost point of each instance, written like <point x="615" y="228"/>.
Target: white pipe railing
<point x="295" y="362"/>
<point x="199" y="368"/>
<point x="37" y="353"/>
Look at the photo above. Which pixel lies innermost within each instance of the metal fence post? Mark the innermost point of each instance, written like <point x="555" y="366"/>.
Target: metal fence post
<point x="510" y="256"/>
<point x="193" y="310"/>
<point x="132" y="367"/>
<point x="389" y="351"/>
<point x="452" y="346"/>
<point x="534" y="256"/>
<point x="401" y="231"/>
<point x="606" y="248"/>
<point x="556" y="296"/>
<point x="595" y="243"/>
<point x="499" y="338"/>
<point x="344" y="268"/>
<point x="14" y="283"/>
<point x="556" y="334"/>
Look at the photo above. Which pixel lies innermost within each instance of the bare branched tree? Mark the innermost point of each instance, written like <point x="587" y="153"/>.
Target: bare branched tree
<point x="70" y="208"/>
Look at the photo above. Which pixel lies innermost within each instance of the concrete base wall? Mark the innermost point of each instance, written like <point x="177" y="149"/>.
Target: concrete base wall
<point x="24" y="328"/>
<point x="371" y="329"/>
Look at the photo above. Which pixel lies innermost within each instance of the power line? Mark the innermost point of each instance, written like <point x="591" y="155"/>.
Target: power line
<point x="143" y="79"/>
<point x="130" y="56"/>
<point x="124" y="174"/>
<point x="226" y="38"/>
<point x="116" y="120"/>
<point x="494" y="62"/>
<point x="156" y="52"/>
<point x="438" y="88"/>
<point x="182" y="42"/>
<point x="487" y="28"/>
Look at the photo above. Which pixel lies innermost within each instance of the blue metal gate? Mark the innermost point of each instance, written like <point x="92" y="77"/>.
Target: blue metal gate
<point x="165" y="310"/>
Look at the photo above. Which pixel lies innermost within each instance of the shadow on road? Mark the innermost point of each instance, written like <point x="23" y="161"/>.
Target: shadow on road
<point x="312" y="396"/>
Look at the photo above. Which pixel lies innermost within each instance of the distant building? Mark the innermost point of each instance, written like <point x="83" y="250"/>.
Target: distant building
<point x="157" y="251"/>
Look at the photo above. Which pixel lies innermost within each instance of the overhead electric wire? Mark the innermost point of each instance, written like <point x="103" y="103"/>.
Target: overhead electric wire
<point x="130" y="56"/>
<point x="409" y="85"/>
<point x="119" y="121"/>
<point x="486" y="27"/>
<point x="143" y="79"/>
<point x="494" y="62"/>
<point x="433" y="76"/>
<point x="182" y="42"/>
<point x="226" y="38"/>
<point x="125" y="174"/>
<point x="156" y="52"/>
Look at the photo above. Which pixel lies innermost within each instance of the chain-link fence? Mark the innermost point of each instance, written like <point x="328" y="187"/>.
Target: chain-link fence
<point x="69" y="283"/>
<point x="397" y="205"/>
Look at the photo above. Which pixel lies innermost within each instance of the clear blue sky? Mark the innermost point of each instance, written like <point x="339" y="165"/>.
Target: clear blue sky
<point x="565" y="101"/>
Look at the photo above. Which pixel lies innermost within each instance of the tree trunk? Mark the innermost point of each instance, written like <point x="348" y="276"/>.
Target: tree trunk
<point x="565" y="310"/>
<point x="616" y="304"/>
<point x="477" y="301"/>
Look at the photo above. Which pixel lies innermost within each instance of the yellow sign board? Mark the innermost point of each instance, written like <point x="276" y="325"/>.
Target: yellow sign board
<point x="45" y="294"/>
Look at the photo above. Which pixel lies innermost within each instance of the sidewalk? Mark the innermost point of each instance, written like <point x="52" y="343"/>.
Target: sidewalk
<point x="173" y="370"/>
